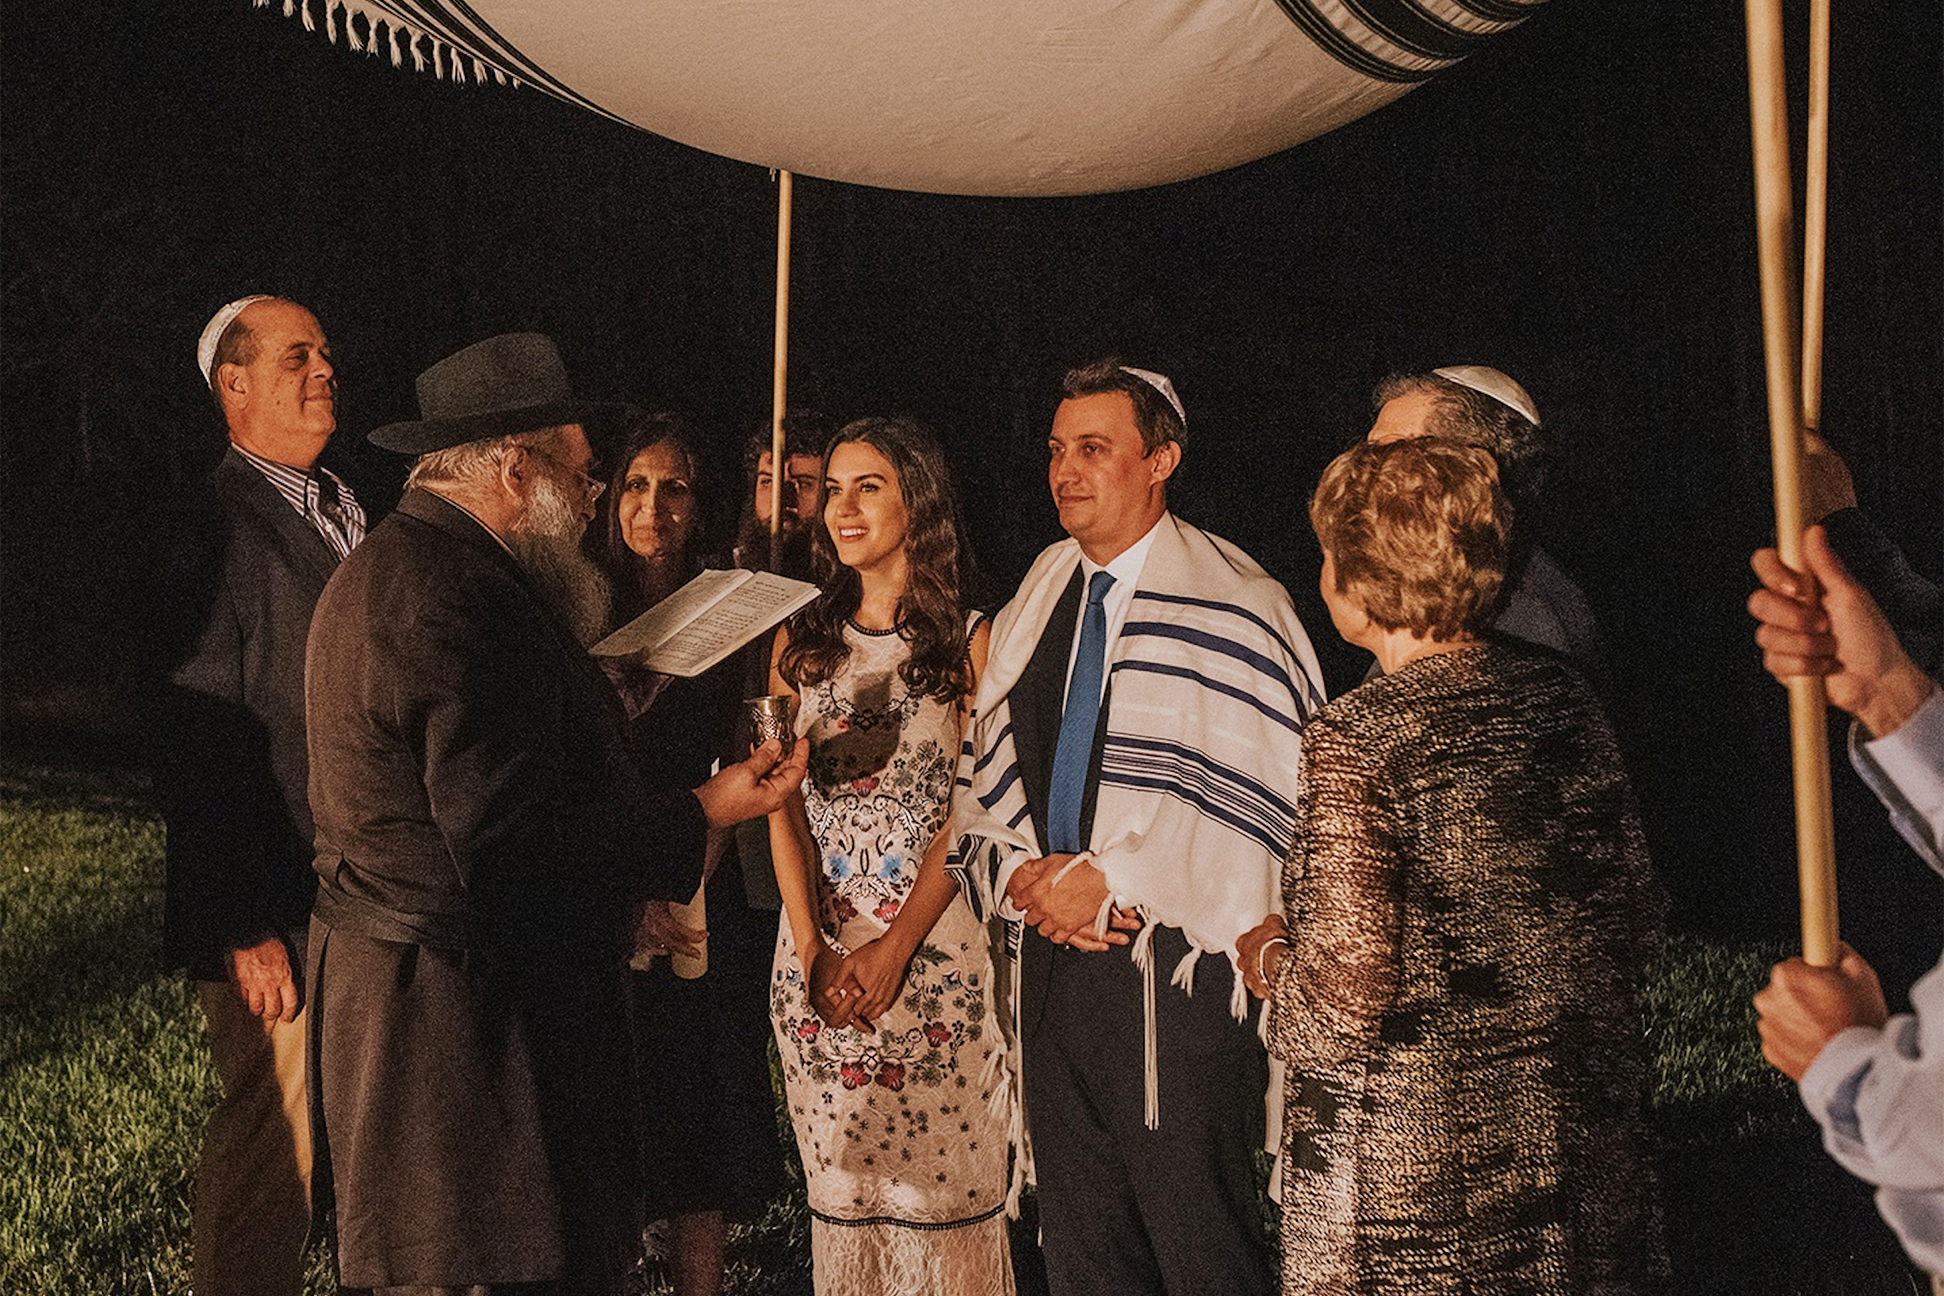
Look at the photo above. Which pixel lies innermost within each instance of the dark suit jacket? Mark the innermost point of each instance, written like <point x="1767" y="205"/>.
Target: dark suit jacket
<point x="1200" y="1178"/>
<point x="479" y="834"/>
<point x="242" y="579"/>
<point x="1038" y="699"/>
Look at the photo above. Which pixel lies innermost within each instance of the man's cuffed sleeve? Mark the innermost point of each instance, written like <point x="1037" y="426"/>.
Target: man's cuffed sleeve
<point x="1878" y="1094"/>
<point x="1829" y="1089"/>
<point x="1906" y="771"/>
<point x="1002" y="876"/>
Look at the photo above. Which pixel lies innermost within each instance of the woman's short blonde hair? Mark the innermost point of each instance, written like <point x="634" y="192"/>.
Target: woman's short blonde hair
<point x="1418" y="531"/>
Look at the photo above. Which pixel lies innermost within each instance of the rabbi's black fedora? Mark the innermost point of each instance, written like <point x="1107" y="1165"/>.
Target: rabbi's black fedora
<point x="505" y="385"/>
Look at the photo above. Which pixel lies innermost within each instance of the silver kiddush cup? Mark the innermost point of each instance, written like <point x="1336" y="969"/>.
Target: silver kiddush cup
<point x="772" y="717"/>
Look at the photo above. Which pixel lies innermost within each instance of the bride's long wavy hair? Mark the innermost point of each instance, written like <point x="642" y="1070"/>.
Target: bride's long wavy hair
<point x="932" y="609"/>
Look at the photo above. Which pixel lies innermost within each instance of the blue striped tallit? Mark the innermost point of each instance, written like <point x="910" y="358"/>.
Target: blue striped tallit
<point x="1210" y="682"/>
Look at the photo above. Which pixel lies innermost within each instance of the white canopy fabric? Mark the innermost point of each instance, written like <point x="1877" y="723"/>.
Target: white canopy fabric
<point x="997" y="97"/>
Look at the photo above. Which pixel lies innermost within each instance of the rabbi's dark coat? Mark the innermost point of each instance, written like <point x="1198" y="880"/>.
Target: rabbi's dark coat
<point x="479" y="837"/>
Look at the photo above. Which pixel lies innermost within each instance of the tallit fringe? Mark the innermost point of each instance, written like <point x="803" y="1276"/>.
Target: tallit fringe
<point x="448" y="61"/>
<point x="1001" y="1085"/>
<point x="1143" y="955"/>
<point x="1184" y="973"/>
<point x="1016" y="1126"/>
<point x="995" y="1069"/>
<point x="1183" y="979"/>
<point x="1272" y="1106"/>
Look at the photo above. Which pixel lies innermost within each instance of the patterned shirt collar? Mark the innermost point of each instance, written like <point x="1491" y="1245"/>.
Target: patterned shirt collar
<point x="320" y="496"/>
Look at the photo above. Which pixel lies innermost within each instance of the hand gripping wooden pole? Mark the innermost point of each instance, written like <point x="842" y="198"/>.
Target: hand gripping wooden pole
<point x="780" y="374"/>
<point x="1808" y="730"/>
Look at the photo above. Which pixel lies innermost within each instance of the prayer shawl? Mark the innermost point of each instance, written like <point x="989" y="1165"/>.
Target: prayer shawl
<point x="1209" y="683"/>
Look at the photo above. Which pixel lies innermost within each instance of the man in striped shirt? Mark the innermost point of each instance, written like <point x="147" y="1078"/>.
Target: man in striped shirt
<point x="229" y="748"/>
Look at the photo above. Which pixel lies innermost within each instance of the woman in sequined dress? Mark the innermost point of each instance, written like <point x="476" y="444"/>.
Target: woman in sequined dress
<point x="881" y="992"/>
<point x="1470" y="911"/>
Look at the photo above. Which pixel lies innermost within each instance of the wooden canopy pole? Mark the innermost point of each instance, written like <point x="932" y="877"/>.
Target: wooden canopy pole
<point x="1809" y="742"/>
<point x="1815" y="215"/>
<point x="780" y="373"/>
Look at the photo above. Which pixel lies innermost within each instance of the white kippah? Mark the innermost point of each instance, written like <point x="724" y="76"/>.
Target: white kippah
<point x="213" y="333"/>
<point x="1500" y="387"/>
<point x="1161" y="384"/>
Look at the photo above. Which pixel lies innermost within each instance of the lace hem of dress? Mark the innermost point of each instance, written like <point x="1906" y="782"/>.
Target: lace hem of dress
<point x="891" y="1260"/>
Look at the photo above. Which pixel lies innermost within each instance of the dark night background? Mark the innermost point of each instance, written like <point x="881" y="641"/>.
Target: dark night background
<point x="1574" y="205"/>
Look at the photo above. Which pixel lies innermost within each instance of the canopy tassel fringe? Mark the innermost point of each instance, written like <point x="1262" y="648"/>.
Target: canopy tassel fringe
<point x="448" y="62"/>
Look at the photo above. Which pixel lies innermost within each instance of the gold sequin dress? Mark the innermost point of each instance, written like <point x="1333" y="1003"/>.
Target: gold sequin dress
<point x="902" y="1128"/>
<point x="1471" y="910"/>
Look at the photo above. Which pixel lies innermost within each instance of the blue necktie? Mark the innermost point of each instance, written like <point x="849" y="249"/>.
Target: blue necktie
<point x="1068" y="786"/>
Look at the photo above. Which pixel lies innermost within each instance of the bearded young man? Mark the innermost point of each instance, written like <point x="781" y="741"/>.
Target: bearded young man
<point x="804" y="436"/>
<point x="480" y="835"/>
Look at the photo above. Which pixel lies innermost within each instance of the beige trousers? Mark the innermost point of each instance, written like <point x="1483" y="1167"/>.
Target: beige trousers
<point x="253" y="1206"/>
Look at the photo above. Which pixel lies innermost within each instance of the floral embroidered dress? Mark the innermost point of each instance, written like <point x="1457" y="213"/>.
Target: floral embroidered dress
<point x="903" y="1128"/>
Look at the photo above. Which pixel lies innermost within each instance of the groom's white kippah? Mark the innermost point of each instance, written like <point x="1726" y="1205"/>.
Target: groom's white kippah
<point x="1161" y="384"/>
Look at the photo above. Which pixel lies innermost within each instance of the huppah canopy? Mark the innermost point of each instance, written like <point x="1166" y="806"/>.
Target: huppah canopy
<point x="1061" y="97"/>
<point x="998" y="97"/>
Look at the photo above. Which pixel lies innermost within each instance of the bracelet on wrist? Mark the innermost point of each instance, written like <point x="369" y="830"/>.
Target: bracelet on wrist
<point x="1262" y="956"/>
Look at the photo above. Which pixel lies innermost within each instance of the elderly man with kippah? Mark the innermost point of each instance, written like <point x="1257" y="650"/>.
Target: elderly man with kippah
<point x="228" y="755"/>
<point x="480" y="838"/>
<point x="1476" y="405"/>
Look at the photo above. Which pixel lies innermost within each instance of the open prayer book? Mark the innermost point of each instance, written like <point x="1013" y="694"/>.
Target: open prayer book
<point x="706" y="620"/>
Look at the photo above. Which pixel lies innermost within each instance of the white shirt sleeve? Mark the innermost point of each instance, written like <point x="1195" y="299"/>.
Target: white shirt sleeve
<point x="1879" y="1097"/>
<point x="1879" y="1094"/>
<point x="1001" y="879"/>
<point x="1906" y="771"/>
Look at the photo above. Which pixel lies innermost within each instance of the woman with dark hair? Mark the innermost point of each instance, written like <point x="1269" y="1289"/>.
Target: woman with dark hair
<point x="881" y="993"/>
<point x="704" y="1109"/>
<point x="650" y="522"/>
<point x="1470" y="912"/>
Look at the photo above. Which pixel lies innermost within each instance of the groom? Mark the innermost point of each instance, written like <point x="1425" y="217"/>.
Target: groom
<point x="1132" y="765"/>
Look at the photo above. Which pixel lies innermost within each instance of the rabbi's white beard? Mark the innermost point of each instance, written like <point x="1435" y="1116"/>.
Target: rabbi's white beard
<point x="546" y="541"/>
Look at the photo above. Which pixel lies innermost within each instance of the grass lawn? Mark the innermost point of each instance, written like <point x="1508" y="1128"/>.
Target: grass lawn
<point x="104" y="1083"/>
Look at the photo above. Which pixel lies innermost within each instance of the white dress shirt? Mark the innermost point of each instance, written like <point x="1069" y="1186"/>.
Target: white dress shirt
<point x="1125" y="568"/>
